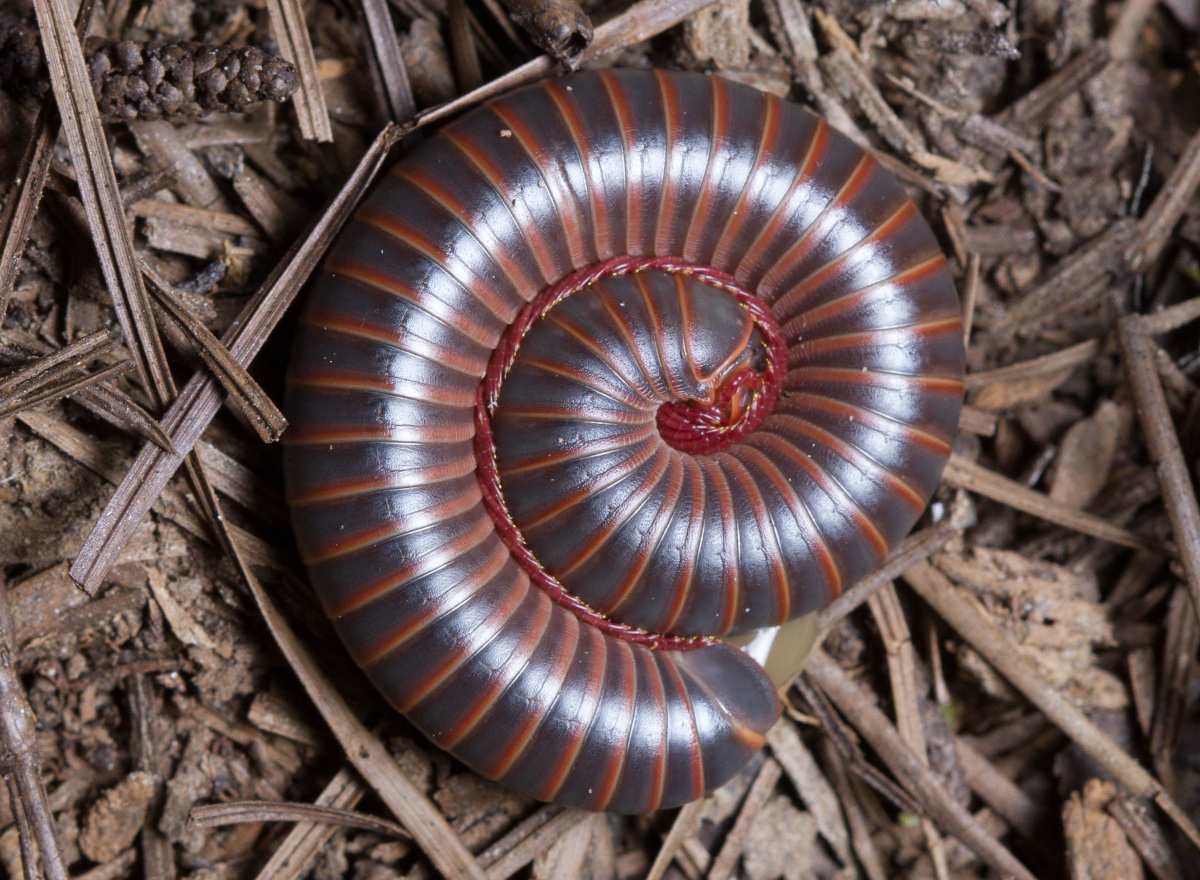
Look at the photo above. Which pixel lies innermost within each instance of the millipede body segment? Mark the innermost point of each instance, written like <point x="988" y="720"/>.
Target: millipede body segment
<point x="610" y="368"/>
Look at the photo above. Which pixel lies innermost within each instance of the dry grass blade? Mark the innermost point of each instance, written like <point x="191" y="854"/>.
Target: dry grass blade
<point x="218" y="815"/>
<point x="364" y="750"/>
<point x="386" y="50"/>
<point x="200" y="399"/>
<point x="1165" y="451"/>
<point x="966" y="474"/>
<point x="258" y="408"/>
<point x="860" y="707"/>
<point x="641" y="21"/>
<point x="291" y="32"/>
<point x="973" y="626"/>
<point x="98" y="191"/>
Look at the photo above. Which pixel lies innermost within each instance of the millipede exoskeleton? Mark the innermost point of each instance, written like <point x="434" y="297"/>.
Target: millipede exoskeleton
<point x="613" y="367"/>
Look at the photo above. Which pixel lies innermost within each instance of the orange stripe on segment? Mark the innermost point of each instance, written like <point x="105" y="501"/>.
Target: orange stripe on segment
<point x="941" y="385"/>
<point x="616" y="517"/>
<point x="351" y="542"/>
<point x="811" y="237"/>
<point x="405" y="629"/>
<point x="695" y="537"/>
<point x="542" y="253"/>
<point x="668" y="668"/>
<point x="645" y="393"/>
<point x="546" y="413"/>
<point x="453" y="660"/>
<point x="653" y="679"/>
<point x="861" y="460"/>
<point x="396" y="578"/>
<point x="352" y="380"/>
<point x="658" y="529"/>
<point x="476" y="286"/>
<point x="338" y="489"/>
<point x="520" y="738"/>
<point x="615" y="474"/>
<point x="835" y="490"/>
<point x="917" y="274"/>
<point x="817" y="146"/>
<point x="617" y="766"/>
<point x="766" y="528"/>
<point x="842" y="409"/>
<point x="622" y="394"/>
<point x="672" y="113"/>
<point x="720" y="104"/>
<point x="799" y="508"/>
<point x="629" y="337"/>
<point x="568" y="109"/>
<point x="435" y="308"/>
<point x="447" y="197"/>
<point x="351" y="434"/>
<point x="558" y="188"/>
<point x="728" y="519"/>
<point x="597" y="685"/>
<point x="633" y="194"/>
<point x="456" y="359"/>
<point x="794" y="297"/>
<point x="772" y="127"/>
<point x="470" y="715"/>
<point x="542" y="460"/>
<point x="922" y="330"/>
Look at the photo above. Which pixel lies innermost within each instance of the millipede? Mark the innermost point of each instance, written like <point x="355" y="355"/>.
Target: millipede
<point x="602" y="374"/>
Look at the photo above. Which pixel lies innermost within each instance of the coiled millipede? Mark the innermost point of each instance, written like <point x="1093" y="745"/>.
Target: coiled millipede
<point x="613" y="367"/>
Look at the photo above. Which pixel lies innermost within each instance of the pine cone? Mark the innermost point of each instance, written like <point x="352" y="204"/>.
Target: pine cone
<point x="182" y="80"/>
<point x="155" y="80"/>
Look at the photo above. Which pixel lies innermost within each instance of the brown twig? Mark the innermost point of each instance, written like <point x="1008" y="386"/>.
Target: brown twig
<point x="108" y="403"/>
<point x="1168" y="206"/>
<point x="966" y="474"/>
<point x="1178" y="492"/>
<point x="21" y="207"/>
